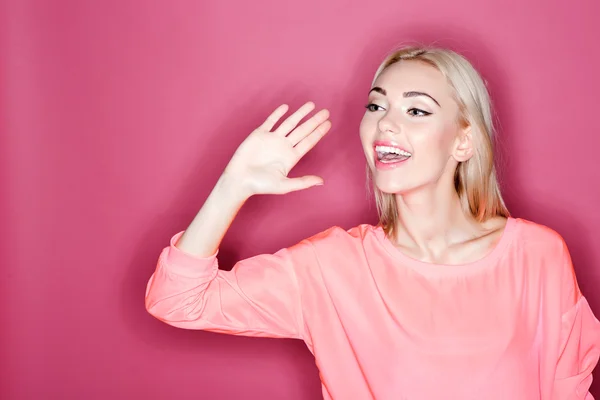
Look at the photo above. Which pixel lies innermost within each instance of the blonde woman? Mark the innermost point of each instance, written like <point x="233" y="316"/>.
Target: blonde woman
<point x="448" y="297"/>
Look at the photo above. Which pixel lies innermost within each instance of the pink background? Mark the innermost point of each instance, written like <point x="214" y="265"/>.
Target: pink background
<point x="117" y="118"/>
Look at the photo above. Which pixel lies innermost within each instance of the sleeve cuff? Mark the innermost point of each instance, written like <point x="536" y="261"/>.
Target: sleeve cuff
<point x="182" y="263"/>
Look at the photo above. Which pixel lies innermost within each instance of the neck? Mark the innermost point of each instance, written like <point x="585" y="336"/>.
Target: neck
<point x="432" y="218"/>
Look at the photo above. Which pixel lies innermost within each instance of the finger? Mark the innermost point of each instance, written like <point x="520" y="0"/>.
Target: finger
<point x="307" y="127"/>
<point x="312" y="139"/>
<point x="301" y="183"/>
<point x="273" y="118"/>
<point x="293" y="120"/>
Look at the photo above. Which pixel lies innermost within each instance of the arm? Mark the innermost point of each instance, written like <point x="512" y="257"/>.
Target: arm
<point x="260" y="296"/>
<point x="580" y="349"/>
<point x="579" y="341"/>
<point x="259" y="166"/>
<point x="204" y="235"/>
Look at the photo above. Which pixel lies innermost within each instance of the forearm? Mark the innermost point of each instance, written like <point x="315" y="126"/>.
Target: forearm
<point x="203" y="236"/>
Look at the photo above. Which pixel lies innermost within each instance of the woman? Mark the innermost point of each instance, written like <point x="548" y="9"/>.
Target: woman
<point x="448" y="297"/>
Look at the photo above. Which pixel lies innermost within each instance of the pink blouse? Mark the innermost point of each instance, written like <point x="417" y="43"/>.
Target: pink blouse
<point x="382" y="325"/>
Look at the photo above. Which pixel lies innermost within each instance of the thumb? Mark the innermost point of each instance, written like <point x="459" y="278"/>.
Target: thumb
<point x="301" y="183"/>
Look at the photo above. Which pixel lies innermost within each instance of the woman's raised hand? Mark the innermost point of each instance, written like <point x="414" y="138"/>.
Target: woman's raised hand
<point x="265" y="158"/>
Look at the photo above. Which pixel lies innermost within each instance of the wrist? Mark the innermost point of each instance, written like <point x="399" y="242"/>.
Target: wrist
<point x="232" y="187"/>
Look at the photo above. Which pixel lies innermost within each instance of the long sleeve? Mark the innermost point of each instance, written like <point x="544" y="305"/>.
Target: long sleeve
<point x="260" y="296"/>
<point x="579" y="341"/>
<point x="580" y="350"/>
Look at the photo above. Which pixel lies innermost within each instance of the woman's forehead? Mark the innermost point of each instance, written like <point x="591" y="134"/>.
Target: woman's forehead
<point x="410" y="75"/>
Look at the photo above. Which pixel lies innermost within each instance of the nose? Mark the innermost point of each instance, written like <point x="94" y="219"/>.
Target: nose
<point x="387" y="124"/>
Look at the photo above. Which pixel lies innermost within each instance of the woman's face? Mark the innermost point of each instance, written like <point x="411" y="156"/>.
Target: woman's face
<point x="410" y="132"/>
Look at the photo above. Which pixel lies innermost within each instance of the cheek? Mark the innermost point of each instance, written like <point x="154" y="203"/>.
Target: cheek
<point x="367" y="132"/>
<point x="435" y="142"/>
<point x="365" y="126"/>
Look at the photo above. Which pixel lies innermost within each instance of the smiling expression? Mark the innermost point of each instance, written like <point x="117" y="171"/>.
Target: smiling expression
<point x="410" y="130"/>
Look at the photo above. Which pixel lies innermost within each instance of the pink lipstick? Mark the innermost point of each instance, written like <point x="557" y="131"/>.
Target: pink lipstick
<point x="389" y="155"/>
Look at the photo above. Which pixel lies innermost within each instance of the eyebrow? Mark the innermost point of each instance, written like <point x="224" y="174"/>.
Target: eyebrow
<point x="405" y="94"/>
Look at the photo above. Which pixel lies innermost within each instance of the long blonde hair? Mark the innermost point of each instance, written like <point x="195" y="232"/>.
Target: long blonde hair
<point x="475" y="180"/>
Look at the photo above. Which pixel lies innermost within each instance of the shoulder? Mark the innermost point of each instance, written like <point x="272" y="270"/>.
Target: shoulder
<point x="546" y="246"/>
<point x="338" y="234"/>
<point x="336" y="240"/>
<point x="539" y="237"/>
<point x="331" y="252"/>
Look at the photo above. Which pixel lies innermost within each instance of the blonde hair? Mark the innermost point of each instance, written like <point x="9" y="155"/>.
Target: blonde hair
<point x="475" y="180"/>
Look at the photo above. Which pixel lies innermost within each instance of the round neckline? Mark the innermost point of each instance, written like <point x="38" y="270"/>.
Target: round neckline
<point x="437" y="269"/>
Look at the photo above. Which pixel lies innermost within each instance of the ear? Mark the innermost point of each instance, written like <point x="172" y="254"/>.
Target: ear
<point x="463" y="149"/>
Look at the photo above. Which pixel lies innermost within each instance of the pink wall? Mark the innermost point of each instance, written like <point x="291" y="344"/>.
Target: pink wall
<point x="118" y="117"/>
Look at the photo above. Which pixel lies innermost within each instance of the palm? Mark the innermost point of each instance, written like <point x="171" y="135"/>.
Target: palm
<point x="270" y="157"/>
<point x="265" y="158"/>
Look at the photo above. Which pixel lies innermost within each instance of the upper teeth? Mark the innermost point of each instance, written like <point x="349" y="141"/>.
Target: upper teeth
<point x="388" y="149"/>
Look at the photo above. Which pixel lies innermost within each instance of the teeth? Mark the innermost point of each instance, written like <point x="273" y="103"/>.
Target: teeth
<point x="387" y="149"/>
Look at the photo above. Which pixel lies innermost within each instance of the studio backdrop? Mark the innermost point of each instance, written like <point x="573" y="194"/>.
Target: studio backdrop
<point x="117" y="118"/>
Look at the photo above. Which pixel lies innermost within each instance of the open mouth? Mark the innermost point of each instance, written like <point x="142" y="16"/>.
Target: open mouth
<point x="390" y="155"/>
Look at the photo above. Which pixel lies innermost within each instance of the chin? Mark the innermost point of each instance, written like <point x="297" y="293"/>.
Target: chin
<point x="386" y="182"/>
<point x="390" y="186"/>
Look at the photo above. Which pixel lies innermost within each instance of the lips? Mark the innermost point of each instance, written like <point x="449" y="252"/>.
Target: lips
<point x="387" y="146"/>
<point x="388" y="143"/>
<point x="390" y="165"/>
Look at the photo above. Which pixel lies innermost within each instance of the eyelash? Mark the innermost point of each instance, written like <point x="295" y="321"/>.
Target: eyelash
<point x="423" y="113"/>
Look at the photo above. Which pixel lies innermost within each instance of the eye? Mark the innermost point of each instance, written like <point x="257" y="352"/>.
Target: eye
<point x="373" y="107"/>
<point x="415" y="112"/>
